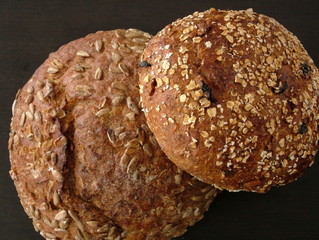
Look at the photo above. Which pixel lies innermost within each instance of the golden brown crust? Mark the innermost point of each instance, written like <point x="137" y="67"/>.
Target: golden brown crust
<point x="84" y="162"/>
<point x="232" y="98"/>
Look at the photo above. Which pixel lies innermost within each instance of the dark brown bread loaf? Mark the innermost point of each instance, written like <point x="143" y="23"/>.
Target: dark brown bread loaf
<point x="84" y="162"/>
<point x="232" y="98"/>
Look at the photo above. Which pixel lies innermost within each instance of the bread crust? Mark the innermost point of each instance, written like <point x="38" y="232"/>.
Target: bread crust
<point x="232" y="98"/>
<point x="84" y="162"/>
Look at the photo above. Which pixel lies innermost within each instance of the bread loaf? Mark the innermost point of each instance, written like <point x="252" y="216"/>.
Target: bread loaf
<point x="232" y="98"/>
<point x="84" y="162"/>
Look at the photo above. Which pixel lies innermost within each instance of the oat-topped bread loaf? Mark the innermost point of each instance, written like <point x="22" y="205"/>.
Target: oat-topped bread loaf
<point x="84" y="162"/>
<point x="232" y="98"/>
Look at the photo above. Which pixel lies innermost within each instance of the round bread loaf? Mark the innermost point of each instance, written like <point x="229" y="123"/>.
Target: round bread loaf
<point x="232" y="98"/>
<point x="84" y="162"/>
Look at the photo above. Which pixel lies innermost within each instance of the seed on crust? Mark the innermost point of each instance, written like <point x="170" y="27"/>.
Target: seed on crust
<point x="82" y="53"/>
<point x="98" y="45"/>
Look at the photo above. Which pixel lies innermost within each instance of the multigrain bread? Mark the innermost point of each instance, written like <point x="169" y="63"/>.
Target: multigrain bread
<point x="232" y="98"/>
<point x="84" y="162"/>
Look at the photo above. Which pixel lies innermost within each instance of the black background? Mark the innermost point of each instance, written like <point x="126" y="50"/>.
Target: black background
<point x="30" y="30"/>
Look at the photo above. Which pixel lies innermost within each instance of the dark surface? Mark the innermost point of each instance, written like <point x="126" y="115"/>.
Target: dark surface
<point x="30" y="30"/>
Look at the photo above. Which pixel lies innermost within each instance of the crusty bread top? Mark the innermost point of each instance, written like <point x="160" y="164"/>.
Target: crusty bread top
<point x="232" y="98"/>
<point x="84" y="162"/>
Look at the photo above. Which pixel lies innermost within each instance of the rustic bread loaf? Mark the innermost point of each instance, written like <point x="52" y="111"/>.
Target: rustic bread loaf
<point x="84" y="162"/>
<point x="232" y="98"/>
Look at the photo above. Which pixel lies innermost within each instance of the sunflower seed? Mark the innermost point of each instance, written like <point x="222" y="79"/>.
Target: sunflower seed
<point x="30" y="90"/>
<point x="123" y="68"/>
<point x="57" y="64"/>
<point x="168" y="228"/>
<point x="77" y="76"/>
<point x="124" y="160"/>
<point x="61" y="215"/>
<point x="37" y="214"/>
<point x="102" y="103"/>
<point x="64" y="224"/>
<point x="187" y="212"/>
<point x="53" y="70"/>
<point x="98" y="74"/>
<point x="47" y="90"/>
<point x="197" y="198"/>
<point x="136" y="175"/>
<point x="29" y="115"/>
<point x="104" y="228"/>
<point x="78" y="237"/>
<point x="44" y="206"/>
<point x="141" y="135"/>
<point x="102" y="112"/>
<point x="37" y="134"/>
<point x="22" y="120"/>
<point x="137" y="49"/>
<point x="112" y="231"/>
<point x="49" y="235"/>
<point x="116" y="57"/>
<point x="140" y="40"/>
<point x="46" y="220"/>
<point x="54" y="224"/>
<point x="13" y="106"/>
<point x="210" y="194"/>
<point x="110" y="135"/>
<point x="132" y="33"/>
<point x="122" y="135"/>
<point x="38" y="117"/>
<point x="40" y="96"/>
<point x="133" y="144"/>
<point x="56" y="198"/>
<point x="61" y="141"/>
<point x="85" y="65"/>
<point x="29" y="99"/>
<point x="76" y="220"/>
<point x="98" y="45"/>
<point x="10" y="144"/>
<point x="131" y="105"/>
<point x="178" y="179"/>
<point x="57" y="175"/>
<point x="92" y="224"/>
<point x="118" y="131"/>
<point x="118" y="33"/>
<point x="148" y="149"/>
<point x="197" y="212"/>
<point x="115" y="45"/>
<point x="117" y="100"/>
<point x="78" y="68"/>
<point x="83" y="90"/>
<point x="59" y="230"/>
<point x="82" y="53"/>
<point x="132" y="164"/>
<point x="153" y="140"/>
<point x="31" y="108"/>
